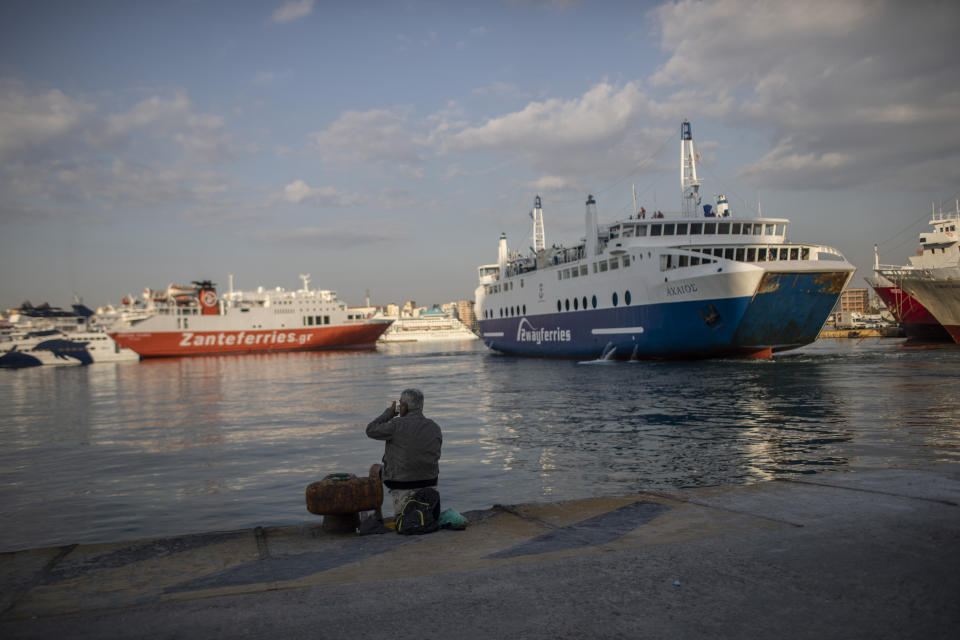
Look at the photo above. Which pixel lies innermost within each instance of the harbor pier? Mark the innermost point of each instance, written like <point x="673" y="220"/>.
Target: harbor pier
<point x="868" y="554"/>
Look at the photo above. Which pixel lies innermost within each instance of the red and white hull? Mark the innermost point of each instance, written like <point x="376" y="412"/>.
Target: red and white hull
<point x="247" y="322"/>
<point x="915" y="319"/>
<point x="153" y="344"/>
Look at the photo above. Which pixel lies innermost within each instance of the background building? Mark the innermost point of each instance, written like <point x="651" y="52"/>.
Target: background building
<point x="855" y="300"/>
<point x="467" y="316"/>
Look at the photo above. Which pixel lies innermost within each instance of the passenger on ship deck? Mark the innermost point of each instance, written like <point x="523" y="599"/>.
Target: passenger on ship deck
<point x="411" y="456"/>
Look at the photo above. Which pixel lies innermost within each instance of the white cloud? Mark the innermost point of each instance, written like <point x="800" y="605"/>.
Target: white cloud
<point x="600" y="133"/>
<point x="30" y="121"/>
<point x="292" y="11"/>
<point x="602" y="113"/>
<point x="378" y="137"/>
<point x="299" y="192"/>
<point x="851" y="93"/>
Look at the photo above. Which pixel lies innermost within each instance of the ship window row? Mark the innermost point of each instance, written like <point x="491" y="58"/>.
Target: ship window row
<point x="657" y="229"/>
<point x="497" y="288"/>
<point x="757" y="254"/>
<point x="507" y="312"/>
<point x="311" y="321"/>
<point x="576" y="304"/>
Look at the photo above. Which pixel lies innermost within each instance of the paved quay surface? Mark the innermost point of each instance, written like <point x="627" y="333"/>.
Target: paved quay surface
<point x="872" y="554"/>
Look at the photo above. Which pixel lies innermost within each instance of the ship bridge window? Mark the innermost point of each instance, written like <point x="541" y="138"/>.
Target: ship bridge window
<point x="655" y="230"/>
<point x="641" y="230"/>
<point x="794" y="253"/>
<point x="574" y="272"/>
<point x="758" y="229"/>
<point x="728" y="253"/>
<point x="696" y="228"/>
<point x="584" y="270"/>
<point x="723" y="227"/>
<point x="768" y="229"/>
<point x="709" y="228"/>
<point x="626" y="261"/>
<point x="805" y="253"/>
<point x="783" y="253"/>
<point x="668" y="229"/>
<point x="739" y="255"/>
<point x="614" y="263"/>
<point x="781" y="229"/>
<point x="761" y="254"/>
<point x="752" y="254"/>
<point x="681" y="228"/>
<point x="735" y="228"/>
<point x="683" y="261"/>
<point x="603" y="266"/>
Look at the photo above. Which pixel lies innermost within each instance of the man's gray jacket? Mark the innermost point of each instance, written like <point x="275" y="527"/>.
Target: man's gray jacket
<point x="411" y="456"/>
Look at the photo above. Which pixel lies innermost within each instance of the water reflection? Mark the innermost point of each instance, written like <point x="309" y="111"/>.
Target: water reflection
<point x="162" y="447"/>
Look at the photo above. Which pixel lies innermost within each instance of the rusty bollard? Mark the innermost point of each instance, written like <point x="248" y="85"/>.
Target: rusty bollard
<point x="340" y="497"/>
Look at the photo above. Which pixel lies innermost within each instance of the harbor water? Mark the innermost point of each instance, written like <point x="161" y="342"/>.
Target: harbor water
<point x="171" y="446"/>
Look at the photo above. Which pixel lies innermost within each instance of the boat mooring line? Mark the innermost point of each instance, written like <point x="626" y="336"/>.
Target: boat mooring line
<point x="948" y="503"/>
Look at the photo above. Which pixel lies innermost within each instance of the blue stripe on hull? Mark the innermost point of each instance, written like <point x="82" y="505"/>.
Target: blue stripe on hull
<point x="789" y="309"/>
<point x="673" y="330"/>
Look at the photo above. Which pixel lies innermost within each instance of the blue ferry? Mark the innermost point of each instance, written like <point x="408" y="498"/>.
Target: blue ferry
<point x="698" y="284"/>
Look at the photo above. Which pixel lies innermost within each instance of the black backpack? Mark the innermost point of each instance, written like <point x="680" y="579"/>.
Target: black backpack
<point x="419" y="513"/>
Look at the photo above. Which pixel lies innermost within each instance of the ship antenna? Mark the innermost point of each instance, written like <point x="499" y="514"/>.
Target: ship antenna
<point x="689" y="185"/>
<point x="306" y="281"/>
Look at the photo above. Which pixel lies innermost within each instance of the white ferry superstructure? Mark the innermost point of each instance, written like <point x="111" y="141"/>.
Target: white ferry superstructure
<point x="703" y="283"/>
<point x="933" y="276"/>
<point x="187" y="321"/>
<point x="430" y="326"/>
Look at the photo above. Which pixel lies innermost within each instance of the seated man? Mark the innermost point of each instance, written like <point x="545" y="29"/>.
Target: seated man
<point x="411" y="454"/>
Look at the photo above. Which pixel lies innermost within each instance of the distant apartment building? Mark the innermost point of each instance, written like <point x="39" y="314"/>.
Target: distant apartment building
<point x="466" y="314"/>
<point x="854" y="301"/>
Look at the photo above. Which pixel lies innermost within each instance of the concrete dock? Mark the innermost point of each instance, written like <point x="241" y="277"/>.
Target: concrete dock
<point x="872" y="554"/>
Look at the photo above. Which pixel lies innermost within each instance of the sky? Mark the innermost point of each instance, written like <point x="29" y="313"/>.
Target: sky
<point x="383" y="147"/>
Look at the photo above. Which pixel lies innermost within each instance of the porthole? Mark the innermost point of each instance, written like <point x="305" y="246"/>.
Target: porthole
<point x="626" y="298"/>
<point x="524" y="309"/>
<point x="501" y="312"/>
<point x="584" y="302"/>
<point x="566" y="304"/>
<point x="559" y="308"/>
<point x="593" y="301"/>
<point x="615" y="298"/>
<point x="576" y="304"/>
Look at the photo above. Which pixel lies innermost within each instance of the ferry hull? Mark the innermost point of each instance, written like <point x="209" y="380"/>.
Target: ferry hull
<point x="790" y="308"/>
<point x="154" y="344"/>
<point x="939" y="292"/>
<point x="916" y="320"/>
<point x="677" y="330"/>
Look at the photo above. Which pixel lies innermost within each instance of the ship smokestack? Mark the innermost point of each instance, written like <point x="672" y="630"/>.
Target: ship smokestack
<point x="502" y="254"/>
<point x="590" y="229"/>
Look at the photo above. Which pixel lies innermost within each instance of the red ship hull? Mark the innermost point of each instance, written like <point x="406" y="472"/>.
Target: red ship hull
<point x="157" y="344"/>
<point x="917" y="322"/>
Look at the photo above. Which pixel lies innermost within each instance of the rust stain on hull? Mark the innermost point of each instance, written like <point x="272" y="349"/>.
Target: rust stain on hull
<point x="832" y="282"/>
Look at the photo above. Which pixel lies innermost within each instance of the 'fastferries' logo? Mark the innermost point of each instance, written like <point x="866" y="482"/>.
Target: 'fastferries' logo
<point x="527" y="333"/>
